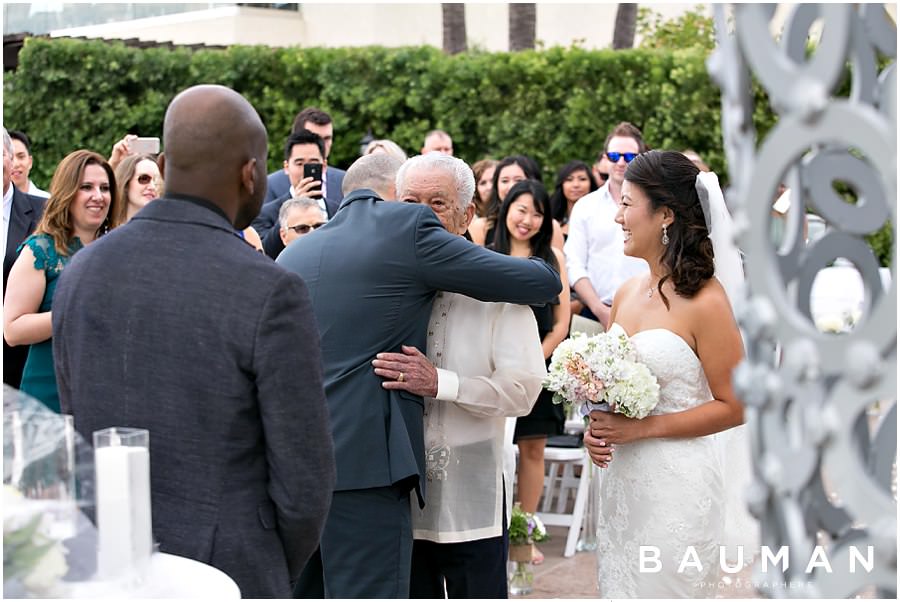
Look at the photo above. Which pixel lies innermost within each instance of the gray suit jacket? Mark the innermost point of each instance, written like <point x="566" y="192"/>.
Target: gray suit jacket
<point x="372" y="273"/>
<point x="174" y="324"/>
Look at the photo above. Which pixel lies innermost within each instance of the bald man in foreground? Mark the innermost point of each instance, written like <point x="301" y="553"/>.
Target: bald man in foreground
<point x="174" y="324"/>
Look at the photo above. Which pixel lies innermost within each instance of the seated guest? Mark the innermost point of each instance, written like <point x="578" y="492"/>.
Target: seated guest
<point x="83" y="205"/>
<point x="298" y="217"/>
<point x="483" y="363"/>
<point x="210" y="347"/>
<point x="22" y="162"/>
<point x="302" y="148"/>
<point x="138" y="181"/>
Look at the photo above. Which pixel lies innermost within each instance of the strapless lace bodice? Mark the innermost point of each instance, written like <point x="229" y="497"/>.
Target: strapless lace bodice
<point x="682" y="382"/>
<point x="665" y="493"/>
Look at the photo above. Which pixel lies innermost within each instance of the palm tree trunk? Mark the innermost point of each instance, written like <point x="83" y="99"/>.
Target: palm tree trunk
<point x="522" y="19"/>
<point x="626" y="18"/>
<point x="454" y="22"/>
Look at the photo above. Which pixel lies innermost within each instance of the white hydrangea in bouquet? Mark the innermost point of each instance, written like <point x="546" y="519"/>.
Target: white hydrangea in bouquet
<point x="601" y="372"/>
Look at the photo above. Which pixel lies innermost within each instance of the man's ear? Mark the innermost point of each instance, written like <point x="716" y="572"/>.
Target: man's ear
<point x="470" y="214"/>
<point x="161" y="163"/>
<point x="248" y="175"/>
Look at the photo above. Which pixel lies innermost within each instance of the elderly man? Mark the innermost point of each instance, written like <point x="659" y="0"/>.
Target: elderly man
<point x="298" y="217"/>
<point x="213" y="350"/>
<point x="484" y="362"/>
<point x="372" y="280"/>
<point x="438" y="141"/>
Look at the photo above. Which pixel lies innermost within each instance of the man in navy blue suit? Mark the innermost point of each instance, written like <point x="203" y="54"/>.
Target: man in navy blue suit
<point x="318" y="122"/>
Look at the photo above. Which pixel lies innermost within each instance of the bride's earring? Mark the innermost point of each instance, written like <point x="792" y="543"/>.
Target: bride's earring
<point x="665" y="236"/>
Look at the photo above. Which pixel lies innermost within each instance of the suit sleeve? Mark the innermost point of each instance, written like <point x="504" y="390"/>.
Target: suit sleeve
<point x="451" y="263"/>
<point x="265" y="221"/>
<point x="298" y="442"/>
<point x="272" y="243"/>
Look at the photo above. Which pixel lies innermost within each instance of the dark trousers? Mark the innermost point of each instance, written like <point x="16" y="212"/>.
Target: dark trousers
<point x="366" y="547"/>
<point x="469" y="569"/>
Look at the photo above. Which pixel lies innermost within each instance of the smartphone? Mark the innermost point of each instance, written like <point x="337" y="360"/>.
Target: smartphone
<point x="144" y="146"/>
<point x="314" y="171"/>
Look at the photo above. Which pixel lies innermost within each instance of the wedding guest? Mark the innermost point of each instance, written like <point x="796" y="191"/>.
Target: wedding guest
<point x="138" y="182"/>
<point x="679" y="318"/>
<point x="298" y="217"/>
<point x="83" y="205"/>
<point x="507" y="172"/>
<point x="484" y="182"/>
<point x="385" y="146"/>
<point x="600" y="169"/>
<point x="437" y="141"/>
<point x="22" y="162"/>
<point x="573" y="182"/>
<point x="526" y="231"/>
<point x="483" y="363"/>
<point x="594" y="257"/>
<point x="372" y="279"/>
<point x="21" y="213"/>
<point x="213" y="349"/>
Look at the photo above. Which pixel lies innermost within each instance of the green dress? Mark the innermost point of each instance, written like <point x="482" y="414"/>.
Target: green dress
<point x="39" y="377"/>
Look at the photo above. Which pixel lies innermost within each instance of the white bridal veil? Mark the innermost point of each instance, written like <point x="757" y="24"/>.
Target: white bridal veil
<point x="741" y="529"/>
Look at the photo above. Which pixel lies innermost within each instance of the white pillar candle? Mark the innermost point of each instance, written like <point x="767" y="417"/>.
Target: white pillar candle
<point x="125" y="538"/>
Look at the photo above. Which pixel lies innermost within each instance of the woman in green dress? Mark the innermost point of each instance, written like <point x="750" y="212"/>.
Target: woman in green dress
<point x="81" y="207"/>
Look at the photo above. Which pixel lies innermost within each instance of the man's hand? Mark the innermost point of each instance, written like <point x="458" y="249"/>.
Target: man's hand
<point x="308" y="187"/>
<point x="602" y="311"/>
<point x="600" y="452"/>
<point x="408" y="371"/>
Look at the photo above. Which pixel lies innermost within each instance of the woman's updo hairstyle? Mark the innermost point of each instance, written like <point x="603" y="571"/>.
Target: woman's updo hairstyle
<point x="669" y="179"/>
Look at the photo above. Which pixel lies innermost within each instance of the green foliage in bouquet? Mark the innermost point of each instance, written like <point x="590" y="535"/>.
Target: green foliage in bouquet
<point x="525" y="528"/>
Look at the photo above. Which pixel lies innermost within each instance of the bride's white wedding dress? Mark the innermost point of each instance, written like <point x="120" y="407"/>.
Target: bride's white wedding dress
<point x="663" y="493"/>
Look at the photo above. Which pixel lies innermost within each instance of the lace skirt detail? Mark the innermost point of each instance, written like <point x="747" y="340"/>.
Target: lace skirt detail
<point x="661" y="500"/>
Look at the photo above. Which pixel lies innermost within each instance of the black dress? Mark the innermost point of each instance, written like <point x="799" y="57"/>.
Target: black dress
<point x="547" y="419"/>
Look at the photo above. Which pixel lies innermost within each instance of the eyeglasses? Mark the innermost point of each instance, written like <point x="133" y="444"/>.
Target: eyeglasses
<point x="145" y="179"/>
<point x="304" y="228"/>
<point x="614" y="157"/>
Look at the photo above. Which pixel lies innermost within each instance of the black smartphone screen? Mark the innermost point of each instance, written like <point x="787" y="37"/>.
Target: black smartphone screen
<point x="313" y="170"/>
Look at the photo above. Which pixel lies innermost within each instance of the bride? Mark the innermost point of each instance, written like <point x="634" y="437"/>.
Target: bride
<point x="663" y="498"/>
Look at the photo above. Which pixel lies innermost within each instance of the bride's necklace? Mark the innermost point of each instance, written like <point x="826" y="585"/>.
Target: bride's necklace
<point x="650" y="289"/>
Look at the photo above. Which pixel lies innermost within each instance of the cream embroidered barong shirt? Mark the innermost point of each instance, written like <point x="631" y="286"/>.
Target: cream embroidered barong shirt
<point x="490" y="366"/>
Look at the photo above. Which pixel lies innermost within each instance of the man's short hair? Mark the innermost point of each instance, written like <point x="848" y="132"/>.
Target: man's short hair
<point x="464" y="181"/>
<point x="7" y="144"/>
<point x="317" y="116"/>
<point x="625" y="130"/>
<point x="375" y="171"/>
<point x="440" y="133"/>
<point x="21" y="137"/>
<point x="303" y="202"/>
<point x="303" y="137"/>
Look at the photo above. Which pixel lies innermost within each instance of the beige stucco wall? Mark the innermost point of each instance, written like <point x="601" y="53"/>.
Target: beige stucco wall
<point x="353" y="24"/>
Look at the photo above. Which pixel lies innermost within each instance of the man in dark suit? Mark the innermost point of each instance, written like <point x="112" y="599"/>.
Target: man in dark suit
<point x="372" y="272"/>
<point x="319" y="122"/>
<point x="21" y="213"/>
<point x="211" y="347"/>
<point x="302" y="148"/>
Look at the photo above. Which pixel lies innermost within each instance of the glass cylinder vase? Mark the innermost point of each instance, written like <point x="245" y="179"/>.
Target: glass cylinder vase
<point x="587" y="541"/>
<point x="521" y="580"/>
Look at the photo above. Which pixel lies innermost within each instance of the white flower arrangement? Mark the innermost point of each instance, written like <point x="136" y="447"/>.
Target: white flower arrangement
<point x="601" y="372"/>
<point x="31" y="555"/>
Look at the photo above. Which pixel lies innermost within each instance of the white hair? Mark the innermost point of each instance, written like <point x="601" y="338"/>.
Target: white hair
<point x="7" y="144"/>
<point x="303" y="202"/>
<point x="463" y="178"/>
<point x="375" y="171"/>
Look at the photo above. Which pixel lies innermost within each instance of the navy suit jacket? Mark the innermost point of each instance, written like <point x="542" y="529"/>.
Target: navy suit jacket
<point x="279" y="184"/>
<point x="372" y="273"/>
<point x="24" y="216"/>
<point x="214" y="349"/>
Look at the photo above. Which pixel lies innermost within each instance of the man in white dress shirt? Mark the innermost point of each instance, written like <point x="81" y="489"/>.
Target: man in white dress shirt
<point x="595" y="249"/>
<point x="22" y="162"/>
<point x="483" y="363"/>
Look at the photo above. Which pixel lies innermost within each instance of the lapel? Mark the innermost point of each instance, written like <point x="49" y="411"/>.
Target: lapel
<point x="22" y="221"/>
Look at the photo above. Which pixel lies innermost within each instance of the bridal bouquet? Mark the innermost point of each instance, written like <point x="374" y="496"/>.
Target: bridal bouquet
<point x="601" y="372"/>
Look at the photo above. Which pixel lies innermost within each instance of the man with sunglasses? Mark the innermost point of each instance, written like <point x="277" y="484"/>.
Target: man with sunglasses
<point x="595" y="249"/>
<point x="298" y="217"/>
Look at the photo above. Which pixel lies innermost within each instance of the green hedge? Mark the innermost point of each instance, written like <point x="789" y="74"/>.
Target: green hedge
<point x="555" y="105"/>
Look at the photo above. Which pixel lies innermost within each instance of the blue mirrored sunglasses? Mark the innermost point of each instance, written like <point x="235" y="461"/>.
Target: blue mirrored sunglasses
<point x="614" y="157"/>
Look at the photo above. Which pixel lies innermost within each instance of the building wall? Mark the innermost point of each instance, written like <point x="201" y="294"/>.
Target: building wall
<point x="361" y="24"/>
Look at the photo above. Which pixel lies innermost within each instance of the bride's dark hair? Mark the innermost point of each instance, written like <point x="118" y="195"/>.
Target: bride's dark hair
<point x="669" y="179"/>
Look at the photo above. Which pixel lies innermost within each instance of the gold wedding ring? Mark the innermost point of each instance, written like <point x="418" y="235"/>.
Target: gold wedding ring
<point x="400" y="378"/>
